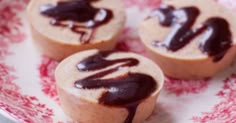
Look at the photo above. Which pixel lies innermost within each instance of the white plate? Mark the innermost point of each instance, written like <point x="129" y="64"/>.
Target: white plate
<point x="27" y="89"/>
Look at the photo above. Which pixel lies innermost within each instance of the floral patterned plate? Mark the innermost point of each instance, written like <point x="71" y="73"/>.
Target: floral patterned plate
<point x="27" y="86"/>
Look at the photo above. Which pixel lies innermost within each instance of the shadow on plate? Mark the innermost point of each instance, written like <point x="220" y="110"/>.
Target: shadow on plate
<point x="160" y="115"/>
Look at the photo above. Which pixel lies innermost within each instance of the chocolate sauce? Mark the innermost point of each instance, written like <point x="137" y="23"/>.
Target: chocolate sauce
<point x="123" y="91"/>
<point x="77" y="11"/>
<point x="216" y="36"/>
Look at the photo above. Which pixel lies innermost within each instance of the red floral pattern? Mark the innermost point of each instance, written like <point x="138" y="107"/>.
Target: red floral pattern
<point x="225" y="111"/>
<point x="130" y="41"/>
<point x="142" y="4"/>
<point x="46" y="69"/>
<point x="25" y="108"/>
<point x="6" y="78"/>
<point x="180" y="87"/>
<point x="9" y="22"/>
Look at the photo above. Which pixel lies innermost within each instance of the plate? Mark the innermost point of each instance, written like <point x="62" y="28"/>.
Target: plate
<point x="27" y="86"/>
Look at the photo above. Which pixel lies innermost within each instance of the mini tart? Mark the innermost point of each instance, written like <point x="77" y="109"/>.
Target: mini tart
<point x="189" y="62"/>
<point x="59" y="42"/>
<point x="84" y="104"/>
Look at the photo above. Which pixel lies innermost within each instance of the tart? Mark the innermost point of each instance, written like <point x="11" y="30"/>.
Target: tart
<point x="62" y="27"/>
<point x="108" y="87"/>
<point x="190" y="39"/>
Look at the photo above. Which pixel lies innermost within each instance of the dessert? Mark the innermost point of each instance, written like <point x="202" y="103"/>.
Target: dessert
<point x="190" y="39"/>
<point x="62" y="27"/>
<point x="108" y="87"/>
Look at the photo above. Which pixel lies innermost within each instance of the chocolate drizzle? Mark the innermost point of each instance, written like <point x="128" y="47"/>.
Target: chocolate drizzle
<point x="77" y="11"/>
<point x="216" y="36"/>
<point x="123" y="91"/>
